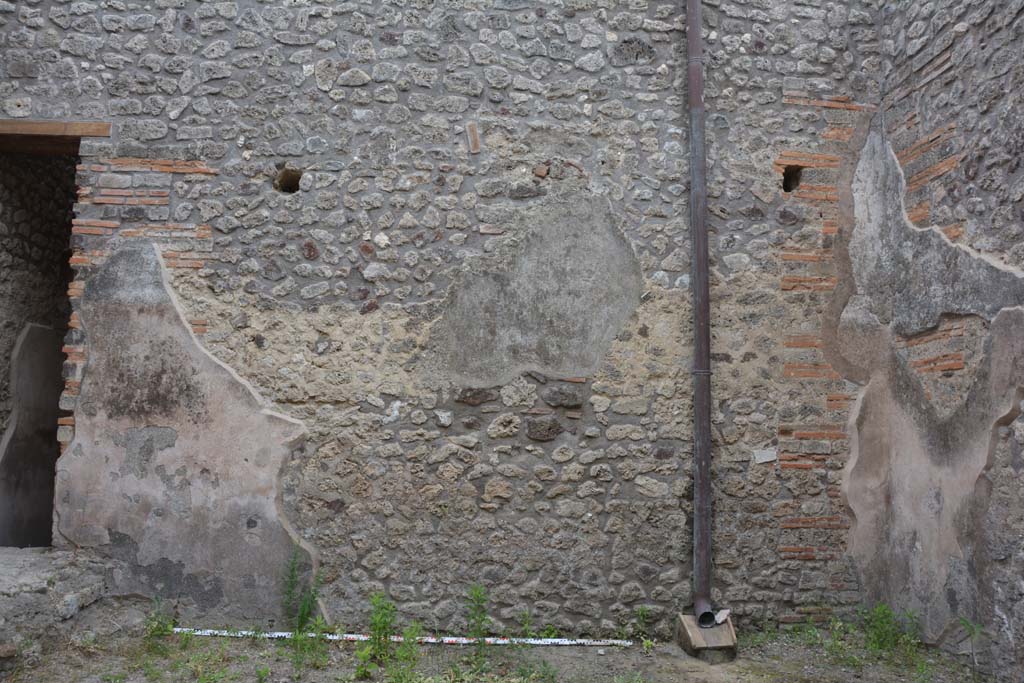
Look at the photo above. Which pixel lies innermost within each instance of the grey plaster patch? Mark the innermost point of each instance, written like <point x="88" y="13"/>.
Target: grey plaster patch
<point x="550" y="301"/>
<point x="182" y="519"/>
<point x="141" y="445"/>
<point x="916" y="478"/>
<point x="29" y="448"/>
<point x="914" y="276"/>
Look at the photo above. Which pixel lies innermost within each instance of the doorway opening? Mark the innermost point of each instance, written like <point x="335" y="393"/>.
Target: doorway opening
<point x="37" y="196"/>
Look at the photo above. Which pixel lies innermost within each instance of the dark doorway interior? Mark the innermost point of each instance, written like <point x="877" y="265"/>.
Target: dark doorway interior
<point x="37" y="195"/>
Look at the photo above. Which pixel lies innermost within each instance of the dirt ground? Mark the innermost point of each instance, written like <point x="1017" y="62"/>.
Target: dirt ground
<point x="126" y="655"/>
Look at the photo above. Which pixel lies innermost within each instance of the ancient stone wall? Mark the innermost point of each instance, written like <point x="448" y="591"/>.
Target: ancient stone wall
<point x="936" y="426"/>
<point x="451" y="239"/>
<point x="789" y="88"/>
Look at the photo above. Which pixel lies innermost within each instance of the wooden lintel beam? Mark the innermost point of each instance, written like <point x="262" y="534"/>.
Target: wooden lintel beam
<point x="39" y="145"/>
<point x="76" y="129"/>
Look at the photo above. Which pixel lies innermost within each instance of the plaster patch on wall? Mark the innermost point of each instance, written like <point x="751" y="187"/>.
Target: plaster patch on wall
<point x="914" y="276"/>
<point x="141" y="445"/>
<point x="549" y="300"/>
<point x="196" y="517"/>
<point x="916" y="479"/>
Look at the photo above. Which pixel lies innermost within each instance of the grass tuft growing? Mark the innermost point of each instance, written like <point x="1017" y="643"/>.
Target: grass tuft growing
<point x="478" y="624"/>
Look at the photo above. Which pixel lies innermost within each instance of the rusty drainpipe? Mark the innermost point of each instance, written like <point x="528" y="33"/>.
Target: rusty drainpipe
<point x="701" y="323"/>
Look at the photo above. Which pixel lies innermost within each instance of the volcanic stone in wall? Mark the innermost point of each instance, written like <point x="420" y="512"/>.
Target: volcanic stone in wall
<point x="549" y="300"/>
<point x="174" y="466"/>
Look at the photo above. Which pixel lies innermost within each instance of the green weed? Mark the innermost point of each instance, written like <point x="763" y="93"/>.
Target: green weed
<point x="808" y="634"/>
<point x="365" y="666"/>
<point x="478" y="623"/>
<point x="526" y="625"/>
<point x="880" y="635"/>
<point x="299" y="601"/>
<point x="307" y="603"/>
<point x="151" y="671"/>
<point x="883" y="633"/>
<point x="159" y="624"/>
<point x="87" y="643"/>
<point x="838" y="645"/>
<point x="209" y="666"/>
<point x="309" y="646"/>
<point x="757" y="638"/>
<point x="550" y="631"/>
<point x="973" y="631"/>
<point x="923" y="672"/>
<point x="536" y="672"/>
<point x="402" y="667"/>
<point x="642" y="615"/>
<point x="382" y="627"/>
<point x="290" y="589"/>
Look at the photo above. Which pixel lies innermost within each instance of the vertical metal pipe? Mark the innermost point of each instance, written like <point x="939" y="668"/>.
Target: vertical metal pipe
<point x="701" y="323"/>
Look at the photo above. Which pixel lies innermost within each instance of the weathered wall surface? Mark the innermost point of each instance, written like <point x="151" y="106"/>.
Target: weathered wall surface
<point x="929" y="311"/>
<point x="549" y="300"/>
<point x="914" y="484"/>
<point x="433" y="462"/>
<point x="475" y="300"/>
<point x="192" y="454"/>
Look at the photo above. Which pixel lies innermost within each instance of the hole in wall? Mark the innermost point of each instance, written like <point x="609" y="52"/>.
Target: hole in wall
<point x="287" y="180"/>
<point x="37" y="195"/>
<point x="791" y="177"/>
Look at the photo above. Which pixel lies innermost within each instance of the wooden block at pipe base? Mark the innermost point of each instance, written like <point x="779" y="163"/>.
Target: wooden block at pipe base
<point x="714" y="645"/>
